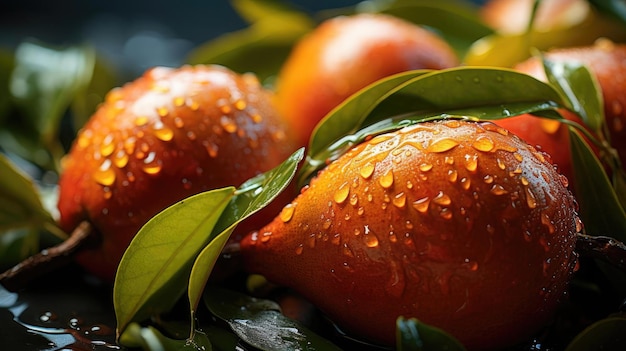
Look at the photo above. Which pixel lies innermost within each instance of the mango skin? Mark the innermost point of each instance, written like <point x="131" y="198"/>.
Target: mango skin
<point x="459" y="224"/>
<point x="169" y="134"/>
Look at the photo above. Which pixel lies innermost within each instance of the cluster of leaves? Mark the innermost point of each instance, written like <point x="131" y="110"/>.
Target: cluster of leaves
<point x="152" y="281"/>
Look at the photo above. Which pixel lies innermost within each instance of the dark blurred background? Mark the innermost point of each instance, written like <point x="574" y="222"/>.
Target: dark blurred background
<point x="130" y="34"/>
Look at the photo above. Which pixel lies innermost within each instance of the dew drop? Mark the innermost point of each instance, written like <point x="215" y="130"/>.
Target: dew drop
<point x="408" y="225"/>
<point x="162" y="111"/>
<point x="129" y="145"/>
<point x="179" y="101"/>
<point x="152" y="165"/>
<point x="470" y="265"/>
<point x="498" y="189"/>
<point x="228" y="124"/>
<point x="500" y="164"/>
<point x="453" y="123"/>
<point x="392" y="237"/>
<point x="212" y="149"/>
<point x="399" y="200"/>
<point x="483" y="143"/>
<point x="518" y="157"/>
<point x="442" y="145"/>
<point x="452" y="175"/>
<point x="488" y="179"/>
<point x="327" y="223"/>
<point x="164" y="134"/>
<point x="386" y="181"/>
<point x="105" y="175"/>
<point x="311" y="240"/>
<point x="421" y="205"/>
<point x="425" y="167"/>
<point x="299" y="249"/>
<point x="341" y="194"/>
<point x="371" y="240"/>
<point x="256" y="118"/>
<point x="186" y="183"/>
<point x="442" y="199"/>
<point x="121" y="159"/>
<point x="409" y="184"/>
<point x="336" y="239"/>
<point x="266" y="236"/>
<point x="178" y="122"/>
<point x="287" y="212"/>
<point x="367" y="170"/>
<point x="194" y="105"/>
<point x="107" y="146"/>
<point x="354" y="199"/>
<point x="465" y="183"/>
<point x="83" y="140"/>
<point x="471" y="162"/>
<point x="141" y="121"/>
<point x="240" y="105"/>
<point x="445" y="213"/>
<point x="347" y="251"/>
<point x="531" y="200"/>
<point x="360" y="211"/>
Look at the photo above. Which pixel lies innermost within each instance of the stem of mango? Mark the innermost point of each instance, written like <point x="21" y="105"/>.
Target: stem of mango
<point x="47" y="260"/>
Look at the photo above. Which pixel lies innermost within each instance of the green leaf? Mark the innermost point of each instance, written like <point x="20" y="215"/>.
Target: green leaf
<point x="606" y="334"/>
<point x="506" y="50"/>
<point x="6" y="67"/>
<point x="580" y="90"/>
<point x="457" y="22"/>
<point x="413" y="335"/>
<point x="259" y="322"/>
<point x="258" y="10"/>
<point x="600" y="209"/>
<point x="269" y="41"/>
<point x="251" y="196"/>
<point x="484" y="93"/>
<point x="20" y="202"/>
<point x="45" y="80"/>
<point x="43" y="84"/>
<point x="153" y="272"/>
<point x="151" y="339"/>
<point x="16" y="245"/>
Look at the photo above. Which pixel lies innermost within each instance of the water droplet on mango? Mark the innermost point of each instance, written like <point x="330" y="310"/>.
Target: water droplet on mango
<point x="442" y="145"/>
<point x="421" y="205"/>
<point x="342" y="193"/>
<point x="386" y="181"/>
<point x="287" y="212"/>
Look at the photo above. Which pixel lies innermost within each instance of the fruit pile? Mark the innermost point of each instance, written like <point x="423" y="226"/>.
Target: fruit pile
<point x="389" y="184"/>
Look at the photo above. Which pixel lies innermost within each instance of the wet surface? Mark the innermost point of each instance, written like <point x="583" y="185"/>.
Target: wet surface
<point x="67" y="310"/>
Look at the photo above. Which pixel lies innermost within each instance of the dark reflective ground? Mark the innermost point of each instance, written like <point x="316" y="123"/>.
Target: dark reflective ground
<point x="65" y="310"/>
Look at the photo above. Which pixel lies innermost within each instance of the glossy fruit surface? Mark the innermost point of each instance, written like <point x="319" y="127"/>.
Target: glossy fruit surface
<point x="460" y="224"/>
<point x="165" y="136"/>
<point x="607" y="61"/>
<point x="512" y="16"/>
<point x="345" y="54"/>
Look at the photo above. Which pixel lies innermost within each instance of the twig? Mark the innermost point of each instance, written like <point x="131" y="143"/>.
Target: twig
<point x="47" y="260"/>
